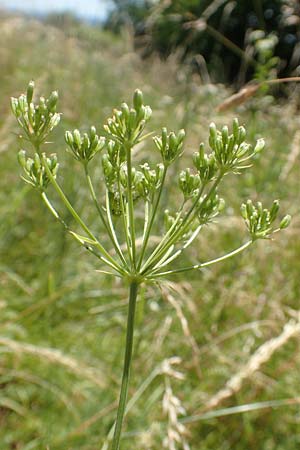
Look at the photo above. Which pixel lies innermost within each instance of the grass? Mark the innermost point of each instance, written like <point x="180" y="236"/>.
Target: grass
<point x="62" y="324"/>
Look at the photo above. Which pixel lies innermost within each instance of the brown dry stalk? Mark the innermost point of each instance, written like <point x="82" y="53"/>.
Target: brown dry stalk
<point x="185" y="328"/>
<point x="56" y="357"/>
<point x="292" y="156"/>
<point x="248" y="91"/>
<point x="260" y="357"/>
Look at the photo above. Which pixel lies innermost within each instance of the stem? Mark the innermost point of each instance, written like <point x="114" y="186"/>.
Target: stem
<point x="160" y="250"/>
<point x="208" y="263"/>
<point x="149" y="227"/>
<point x="130" y="205"/>
<point x="110" y="232"/>
<point x="68" y="230"/>
<point x="127" y="362"/>
<point x="77" y="217"/>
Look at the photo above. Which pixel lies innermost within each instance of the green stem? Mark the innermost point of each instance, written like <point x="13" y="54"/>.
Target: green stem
<point x="165" y="238"/>
<point x="110" y="232"/>
<point x="207" y="263"/>
<point x="130" y="205"/>
<point x="149" y="227"/>
<point x="63" y="223"/>
<point x="77" y="217"/>
<point x="124" y="220"/>
<point x="127" y="363"/>
<point x="161" y="249"/>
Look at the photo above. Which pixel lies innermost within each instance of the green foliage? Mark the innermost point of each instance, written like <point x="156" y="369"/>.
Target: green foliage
<point x="232" y="38"/>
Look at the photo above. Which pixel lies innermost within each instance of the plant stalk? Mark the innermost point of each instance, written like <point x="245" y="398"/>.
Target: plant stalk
<point x="127" y="363"/>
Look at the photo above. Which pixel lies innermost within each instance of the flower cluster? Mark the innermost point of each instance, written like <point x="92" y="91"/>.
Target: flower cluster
<point x="84" y="147"/>
<point x="260" y="221"/>
<point x="170" y="145"/>
<point x="37" y="120"/>
<point x="35" y="171"/>
<point x="231" y="151"/>
<point x="127" y="124"/>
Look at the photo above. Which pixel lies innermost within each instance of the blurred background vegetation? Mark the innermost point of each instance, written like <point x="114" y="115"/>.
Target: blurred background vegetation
<point x="234" y="328"/>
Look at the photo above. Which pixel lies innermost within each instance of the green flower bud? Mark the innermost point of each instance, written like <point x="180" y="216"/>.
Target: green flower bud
<point x="164" y="137"/>
<point x="132" y="119"/>
<point x="23" y="105"/>
<point x="54" y="121"/>
<point x="37" y="161"/>
<point x="285" y="222"/>
<point x="148" y="113"/>
<point x="52" y="101"/>
<point x="69" y="138"/>
<point x="274" y="210"/>
<point x="172" y="140"/>
<point x="125" y="111"/>
<point x="42" y="106"/>
<point x="15" y="106"/>
<point x="250" y="208"/>
<point x="264" y="217"/>
<point x="235" y="128"/>
<point x="213" y="131"/>
<point x="260" y="145"/>
<point x="181" y="136"/>
<point x="137" y="99"/>
<point x="29" y="93"/>
<point x="77" y="138"/>
<point x="225" y="135"/>
<point x="22" y="158"/>
<point x="242" y="135"/>
<point x="221" y="205"/>
<point x="93" y="133"/>
<point x="259" y="207"/>
<point x="86" y="141"/>
<point x="244" y="211"/>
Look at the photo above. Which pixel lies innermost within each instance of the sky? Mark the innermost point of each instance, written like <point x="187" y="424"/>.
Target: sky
<point x="87" y="9"/>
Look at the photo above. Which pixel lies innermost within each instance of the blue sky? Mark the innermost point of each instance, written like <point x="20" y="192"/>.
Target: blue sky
<point x="88" y="9"/>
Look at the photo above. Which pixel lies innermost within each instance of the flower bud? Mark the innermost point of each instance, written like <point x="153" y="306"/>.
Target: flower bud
<point x="221" y="205"/>
<point x="260" y="145"/>
<point x="213" y="131"/>
<point x="181" y="135"/>
<point x="29" y="93"/>
<point x="77" y="138"/>
<point x="274" y="210"/>
<point x="148" y="113"/>
<point x="242" y="135"/>
<point x="23" y="104"/>
<point x="172" y="140"/>
<point x="235" y="128"/>
<point x="137" y="99"/>
<point x="164" y="137"/>
<point x="244" y="211"/>
<point x="15" y="106"/>
<point x="69" y="138"/>
<point x="42" y="105"/>
<point x="132" y="118"/>
<point x="52" y="101"/>
<point x="22" y="158"/>
<point x="285" y="222"/>
<point x="250" y="208"/>
<point x="37" y="161"/>
<point x="92" y="133"/>
<point x="54" y="121"/>
<point x="125" y="111"/>
<point x="225" y="135"/>
<point x="85" y="141"/>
